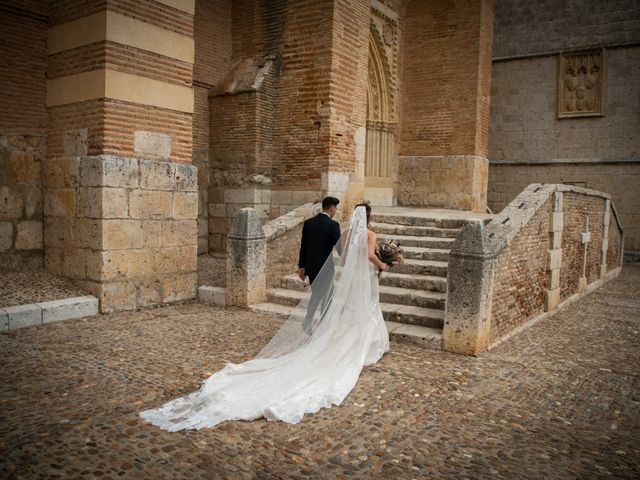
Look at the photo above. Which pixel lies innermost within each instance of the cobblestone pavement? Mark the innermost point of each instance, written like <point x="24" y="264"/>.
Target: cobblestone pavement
<point x="561" y="400"/>
<point x="20" y="288"/>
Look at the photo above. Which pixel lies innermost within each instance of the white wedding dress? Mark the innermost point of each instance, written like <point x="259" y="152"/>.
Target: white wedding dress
<point x="301" y="369"/>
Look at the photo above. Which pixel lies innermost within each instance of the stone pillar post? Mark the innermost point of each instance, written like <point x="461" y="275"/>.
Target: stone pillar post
<point x="555" y="254"/>
<point x="605" y="239"/>
<point x="467" y="318"/>
<point x="246" y="260"/>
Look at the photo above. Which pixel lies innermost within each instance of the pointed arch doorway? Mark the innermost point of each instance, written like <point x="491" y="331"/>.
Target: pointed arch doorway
<point x="379" y="165"/>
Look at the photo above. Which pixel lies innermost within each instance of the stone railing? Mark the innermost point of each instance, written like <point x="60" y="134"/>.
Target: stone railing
<point x="255" y="260"/>
<point x="549" y="246"/>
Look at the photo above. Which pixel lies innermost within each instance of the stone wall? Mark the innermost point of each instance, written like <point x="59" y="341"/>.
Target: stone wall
<point x="539" y="27"/>
<point x="529" y="141"/>
<point x="23" y="48"/>
<point x="538" y="253"/>
<point x="445" y="100"/>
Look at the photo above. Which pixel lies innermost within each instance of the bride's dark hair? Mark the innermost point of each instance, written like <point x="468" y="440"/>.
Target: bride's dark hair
<point x="367" y="207"/>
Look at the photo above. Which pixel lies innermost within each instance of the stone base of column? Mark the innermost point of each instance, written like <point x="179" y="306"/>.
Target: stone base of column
<point x="450" y="181"/>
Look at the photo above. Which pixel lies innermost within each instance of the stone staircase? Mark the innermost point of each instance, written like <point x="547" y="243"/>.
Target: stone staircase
<point x="412" y="295"/>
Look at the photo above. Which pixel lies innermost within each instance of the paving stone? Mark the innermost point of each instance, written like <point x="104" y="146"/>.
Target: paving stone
<point x="20" y="288"/>
<point x="559" y="400"/>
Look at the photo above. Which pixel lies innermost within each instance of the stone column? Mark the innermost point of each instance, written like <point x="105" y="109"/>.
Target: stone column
<point x="555" y="253"/>
<point x="120" y="199"/>
<point x="606" y="219"/>
<point x="246" y="260"/>
<point x="467" y="318"/>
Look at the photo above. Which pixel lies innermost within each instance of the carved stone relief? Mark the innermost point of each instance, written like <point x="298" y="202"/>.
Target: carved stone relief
<point x="581" y="84"/>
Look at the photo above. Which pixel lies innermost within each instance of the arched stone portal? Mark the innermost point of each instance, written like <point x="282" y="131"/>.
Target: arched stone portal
<point x="380" y="165"/>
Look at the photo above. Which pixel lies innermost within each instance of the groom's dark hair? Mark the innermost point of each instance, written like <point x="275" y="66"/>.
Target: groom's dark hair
<point x="329" y="202"/>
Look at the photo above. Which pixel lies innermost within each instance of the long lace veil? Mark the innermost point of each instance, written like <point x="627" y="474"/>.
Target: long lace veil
<point x="302" y="367"/>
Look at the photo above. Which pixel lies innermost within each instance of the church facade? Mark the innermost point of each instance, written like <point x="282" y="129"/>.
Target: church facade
<point x="132" y="132"/>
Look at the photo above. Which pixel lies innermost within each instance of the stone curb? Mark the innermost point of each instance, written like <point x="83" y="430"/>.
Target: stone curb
<point x="212" y="295"/>
<point x="33" y="314"/>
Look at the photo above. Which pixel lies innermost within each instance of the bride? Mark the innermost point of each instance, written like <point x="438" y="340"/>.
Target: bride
<point x="301" y="370"/>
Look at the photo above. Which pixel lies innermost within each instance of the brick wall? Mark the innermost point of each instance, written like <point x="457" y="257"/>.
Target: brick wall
<point x="576" y="207"/>
<point x="23" y="49"/>
<point x="525" y="28"/>
<point x="521" y="277"/>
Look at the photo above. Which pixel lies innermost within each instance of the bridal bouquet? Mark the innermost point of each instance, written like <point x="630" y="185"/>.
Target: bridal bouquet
<point x="389" y="252"/>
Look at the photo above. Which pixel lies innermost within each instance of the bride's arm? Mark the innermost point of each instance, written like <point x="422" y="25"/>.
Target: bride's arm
<point x="373" y="258"/>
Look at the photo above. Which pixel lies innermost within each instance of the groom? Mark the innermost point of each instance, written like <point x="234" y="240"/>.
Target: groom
<point x="319" y="235"/>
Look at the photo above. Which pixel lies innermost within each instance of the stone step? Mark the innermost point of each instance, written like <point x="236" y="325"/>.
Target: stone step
<point x="416" y="282"/>
<point x="422" y="267"/>
<point x="418" y="298"/>
<point x="410" y="315"/>
<point x="423" y="242"/>
<point x="293" y="282"/>
<point x="418" y="221"/>
<point x="425" y="336"/>
<point x="394" y="229"/>
<point x="420" y="253"/>
<point x="284" y="296"/>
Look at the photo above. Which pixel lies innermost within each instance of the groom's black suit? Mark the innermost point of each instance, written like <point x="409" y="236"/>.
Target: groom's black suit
<point x="319" y="235"/>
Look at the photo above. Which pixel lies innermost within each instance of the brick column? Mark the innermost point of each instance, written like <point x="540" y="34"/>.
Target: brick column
<point x="120" y="199"/>
<point x="444" y="120"/>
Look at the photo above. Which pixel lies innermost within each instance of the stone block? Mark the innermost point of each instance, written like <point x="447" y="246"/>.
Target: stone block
<point x="555" y="259"/>
<point x="157" y="175"/>
<point x="114" y="203"/>
<point x="4" y="321"/>
<point x="117" y="296"/>
<point x="146" y="204"/>
<point x="25" y="168"/>
<point x="109" y="171"/>
<point x="212" y="295"/>
<point x="53" y="260"/>
<point x="186" y="177"/>
<point x="240" y="195"/>
<point x="86" y="233"/>
<point x="185" y="205"/>
<point x="74" y="263"/>
<point x="6" y="236"/>
<point x="552" y="299"/>
<point x="279" y="197"/>
<point x="203" y="245"/>
<point x="149" y="292"/>
<point x="122" y="234"/>
<point x="61" y="172"/>
<point x="29" y="235"/>
<point x="22" y="316"/>
<point x="554" y="279"/>
<point x="125" y="264"/>
<point x="174" y="259"/>
<point x="69" y="308"/>
<point x="60" y="202"/>
<point x="607" y="215"/>
<point x="585" y="237"/>
<point x="582" y="285"/>
<point x="557" y="221"/>
<point x="32" y="197"/>
<point x="556" y="240"/>
<point x="75" y="143"/>
<point x="179" y="232"/>
<point x="217" y="210"/>
<point x="11" y="203"/>
<point x="557" y="203"/>
<point x="89" y="202"/>
<point x="181" y="287"/>
<point x="152" y="144"/>
<point x="152" y="233"/>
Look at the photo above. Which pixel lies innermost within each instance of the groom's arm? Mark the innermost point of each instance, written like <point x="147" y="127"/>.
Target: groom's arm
<point x="302" y="258"/>
<point x="335" y="237"/>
